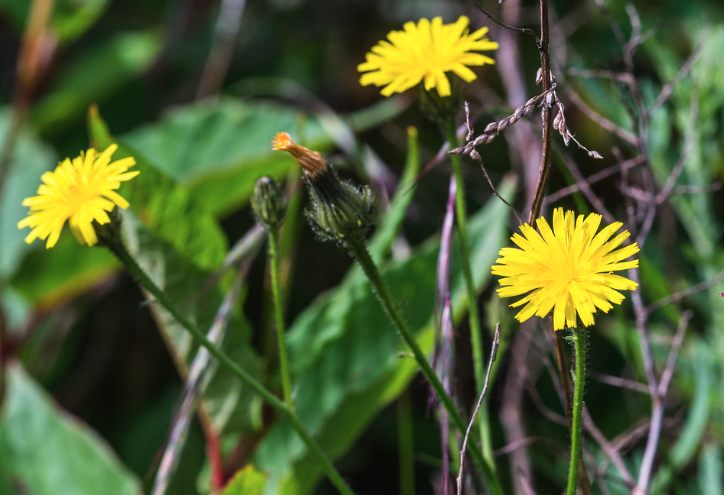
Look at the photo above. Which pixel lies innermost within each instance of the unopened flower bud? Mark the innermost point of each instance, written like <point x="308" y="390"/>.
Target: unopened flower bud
<point x="268" y="202"/>
<point x="339" y="210"/>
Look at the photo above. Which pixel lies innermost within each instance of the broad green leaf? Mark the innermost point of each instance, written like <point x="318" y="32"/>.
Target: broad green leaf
<point x="225" y="398"/>
<point x="49" y="277"/>
<point x="164" y="206"/>
<point x="247" y="481"/>
<point x="45" y="451"/>
<point x="219" y="148"/>
<point x="70" y="18"/>
<point x="94" y="77"/>
<point x="345" y="353"/>
<point x="30" y="159"/>
<point x="179" y="244"/>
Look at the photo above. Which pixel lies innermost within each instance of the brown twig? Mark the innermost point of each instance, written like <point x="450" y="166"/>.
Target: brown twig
<point x="487" y="14"/>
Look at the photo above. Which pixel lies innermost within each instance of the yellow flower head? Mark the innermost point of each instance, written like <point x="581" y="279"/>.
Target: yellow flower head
<point x="79" y="191"/>
<point x="567" y="269"/>
<point x="426" y="51"/>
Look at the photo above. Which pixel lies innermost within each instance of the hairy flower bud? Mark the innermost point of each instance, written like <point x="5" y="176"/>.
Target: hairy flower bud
<point x="268" y="202"/>
<point x="339" y="210"/>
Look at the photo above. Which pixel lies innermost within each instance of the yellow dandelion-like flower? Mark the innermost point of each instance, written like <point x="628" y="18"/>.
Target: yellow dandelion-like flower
<point x="567" y="269"/>
<point x="426" y="51"/>
<point x="79" y="191"/>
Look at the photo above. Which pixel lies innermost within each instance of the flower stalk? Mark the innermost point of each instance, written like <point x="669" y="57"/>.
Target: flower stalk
<point x="117" y="247"/>
<point x="579" y="339"/>
<point x="269" y="206"/>
<point x="359" y="252"/>
<point x="343" y="213"/>
<point x="473" y="314"/>
<point x="278" y="316"/>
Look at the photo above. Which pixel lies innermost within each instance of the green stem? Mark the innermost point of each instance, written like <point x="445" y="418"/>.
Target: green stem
<point x="473" y="314"/>
<point x="359" y="251"/>
<point x="119" y="250"/>
<point x="278" y="315"/>
<point x="579" y="337"/>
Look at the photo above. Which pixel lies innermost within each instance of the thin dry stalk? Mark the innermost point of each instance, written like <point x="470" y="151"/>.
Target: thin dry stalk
<point x="593" y="178"/>
<point x="683" y="294"/>
<point x="493" y="355"/>
<point x="607" y="448"/>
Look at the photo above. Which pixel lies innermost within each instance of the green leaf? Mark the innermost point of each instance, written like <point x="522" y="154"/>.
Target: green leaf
<point x="246" y="481"/>
<point x="219" y="148"/>
<point x="30" y="159"/>
<point x="94" y="77"/>
<point x="45" y="451"/>
<point x="345" y="353"/>
<point x="711" y="471"/>
<point x="227" y="401"/>
<point x="391" y="223"/>
<point x="50" y="277"/>
<point x="164" y="206"/>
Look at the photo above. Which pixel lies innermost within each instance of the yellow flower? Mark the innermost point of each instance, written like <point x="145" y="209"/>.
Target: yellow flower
<point x="426" y="51"/>
<point x="567" y="269"/>
<point x="79" y="191"/>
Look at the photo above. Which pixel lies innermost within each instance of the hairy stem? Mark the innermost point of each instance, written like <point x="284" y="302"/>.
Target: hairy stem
<point x="119" y="250"/>
<point x="579" y="337"/>
<point x="359" y="251"/>
<point x="279" y="316"/>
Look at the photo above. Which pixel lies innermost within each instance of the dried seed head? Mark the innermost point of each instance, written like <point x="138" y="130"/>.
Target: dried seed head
<point x="310" y="161"/>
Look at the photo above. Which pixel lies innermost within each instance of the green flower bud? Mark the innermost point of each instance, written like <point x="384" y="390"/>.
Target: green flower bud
<point x="339" y="210"/>
<point x="268" y="202"/>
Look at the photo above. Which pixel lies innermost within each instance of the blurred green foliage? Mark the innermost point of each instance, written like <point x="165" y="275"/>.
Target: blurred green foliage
<point x="83" y="357"/>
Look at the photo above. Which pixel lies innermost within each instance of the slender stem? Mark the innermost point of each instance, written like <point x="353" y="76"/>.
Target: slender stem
<point x="359" y="251"/>
<point x="579" y="337"/>
<point x="119" y="250"/>
<point x="279" y="316"/>
<point x="473" y="314"/>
